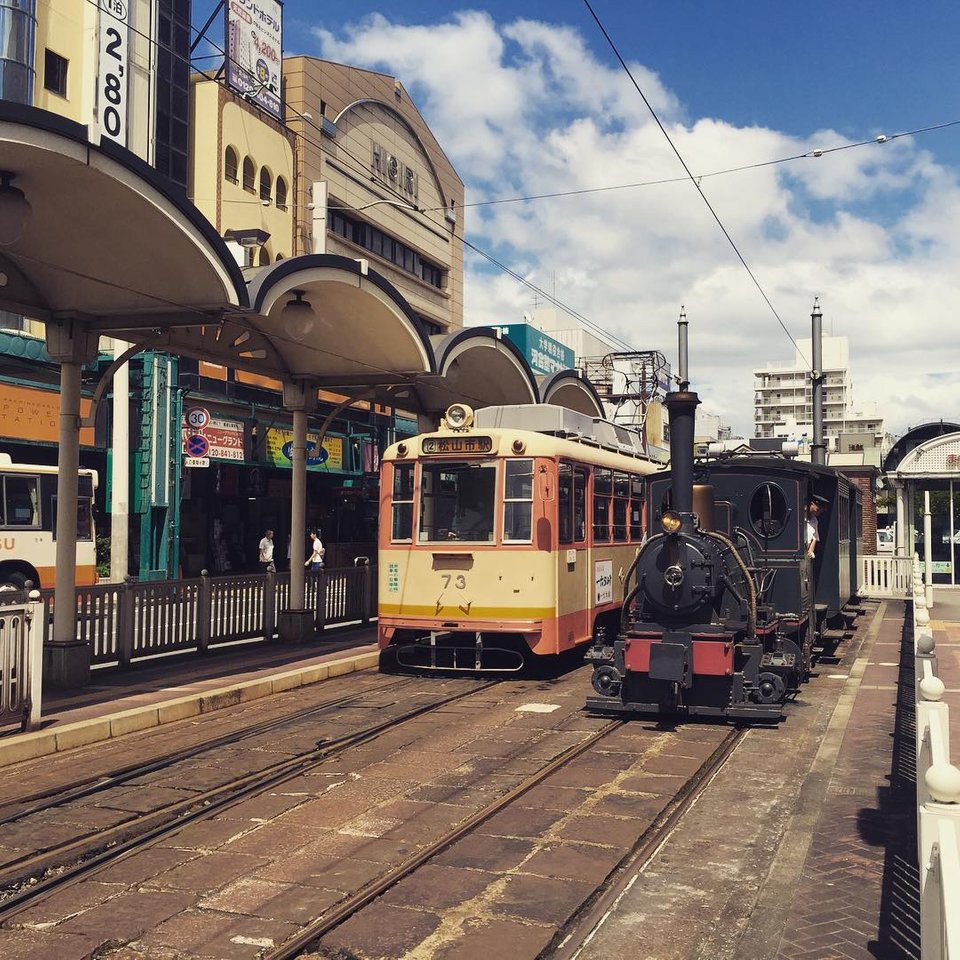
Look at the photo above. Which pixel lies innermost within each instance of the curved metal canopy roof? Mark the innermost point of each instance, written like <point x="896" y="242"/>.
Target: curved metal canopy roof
<point x="934" y="459"/>
<point x="155" y="253"/>
<point x="567" y="388"/>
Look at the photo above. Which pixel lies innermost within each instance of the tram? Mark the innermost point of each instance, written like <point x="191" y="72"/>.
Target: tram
<point x="506" y="535"/>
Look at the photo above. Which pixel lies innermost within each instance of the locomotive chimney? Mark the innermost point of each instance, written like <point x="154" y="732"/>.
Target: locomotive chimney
<point x="682" y="407"/>
<point x="818" y="449"/>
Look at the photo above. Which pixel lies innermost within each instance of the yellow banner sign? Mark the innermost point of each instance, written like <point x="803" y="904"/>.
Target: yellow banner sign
<point x="330" y="458"/>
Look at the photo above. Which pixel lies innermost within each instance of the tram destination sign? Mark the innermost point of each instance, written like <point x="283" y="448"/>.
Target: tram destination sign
<point x="443" y="446"/>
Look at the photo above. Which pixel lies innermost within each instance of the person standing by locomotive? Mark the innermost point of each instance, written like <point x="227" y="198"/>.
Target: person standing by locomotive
<point x="814" y="509"/>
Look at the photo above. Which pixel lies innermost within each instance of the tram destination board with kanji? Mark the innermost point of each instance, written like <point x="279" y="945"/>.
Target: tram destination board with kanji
<point x="444" y="446"/>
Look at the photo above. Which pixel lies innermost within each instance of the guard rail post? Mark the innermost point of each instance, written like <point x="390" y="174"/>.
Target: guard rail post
<point x="34" y="626"/>
<point x="365" y="591"/>
<point x="204" y="608"/>
<point x="320" y="614"/>
<point x="270" y="603"/>
<point x="126" y="621"/>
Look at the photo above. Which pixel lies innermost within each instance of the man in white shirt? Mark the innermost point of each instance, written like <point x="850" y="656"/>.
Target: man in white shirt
<point x="813" y="526"/>
<point x="266" y="550"/>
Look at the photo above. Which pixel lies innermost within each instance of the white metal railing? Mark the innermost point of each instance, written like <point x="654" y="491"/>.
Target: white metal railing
<point x="885" y="577"/>
<point x="21" y="660"/>
<point x="938" y="795"/>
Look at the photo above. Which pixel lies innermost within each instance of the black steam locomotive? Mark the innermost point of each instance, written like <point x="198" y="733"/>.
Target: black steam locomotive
<point x="723" y="607"/>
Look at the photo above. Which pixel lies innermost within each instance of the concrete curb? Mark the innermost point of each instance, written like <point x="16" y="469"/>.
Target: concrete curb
<point x="29" y="746"/>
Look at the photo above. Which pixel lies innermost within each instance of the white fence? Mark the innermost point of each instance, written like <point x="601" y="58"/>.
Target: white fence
<point x="21" y="658"/>
<point x="938" y="796"/>
<point x="885" y="577"/>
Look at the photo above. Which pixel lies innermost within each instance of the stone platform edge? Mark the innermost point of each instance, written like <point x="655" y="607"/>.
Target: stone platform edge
<point x="41" y="743"/>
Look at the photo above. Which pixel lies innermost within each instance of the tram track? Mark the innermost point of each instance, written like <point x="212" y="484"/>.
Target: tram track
<point x="70" y="863"/>
<point x="49" y="799"/>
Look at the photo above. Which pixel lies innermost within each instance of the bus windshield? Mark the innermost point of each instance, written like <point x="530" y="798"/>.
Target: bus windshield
<point x="457" y="502"/>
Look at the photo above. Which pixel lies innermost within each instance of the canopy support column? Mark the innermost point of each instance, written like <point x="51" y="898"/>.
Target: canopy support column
<point x="901" y="544"/>
<point x="67" y="658"/>
<point x="296" y="624"/>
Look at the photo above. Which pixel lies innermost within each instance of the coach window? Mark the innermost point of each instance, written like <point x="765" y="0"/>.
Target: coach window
<point x="621" y="505"/>
<point x="565" y="502"/>
<point x="768" y="511"/>
<point x="21" y="502"/>
<point x="636" y="509"/>
<point x="518" y="501"/>
<point x="580" y="475"/>
<point x="402" y="502"/>
<point x="602" y="490"/>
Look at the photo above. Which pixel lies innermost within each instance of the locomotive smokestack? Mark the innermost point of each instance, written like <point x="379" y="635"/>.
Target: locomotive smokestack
<point x="682" y="406"/>
<point x="818" y="450"/>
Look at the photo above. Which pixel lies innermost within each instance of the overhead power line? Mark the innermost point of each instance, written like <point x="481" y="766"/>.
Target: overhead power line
<point x="693" y="179"/>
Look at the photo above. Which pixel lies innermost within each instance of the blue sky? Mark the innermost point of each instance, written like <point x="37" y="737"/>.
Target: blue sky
<point x="526" y="98"/>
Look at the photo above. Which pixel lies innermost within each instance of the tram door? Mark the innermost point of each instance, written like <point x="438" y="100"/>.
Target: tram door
<point x="574" y="583"/>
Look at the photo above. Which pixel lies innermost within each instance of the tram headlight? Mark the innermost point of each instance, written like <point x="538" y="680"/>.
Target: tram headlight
<point x="670" y="522"/>
<point x="459" y="416"/>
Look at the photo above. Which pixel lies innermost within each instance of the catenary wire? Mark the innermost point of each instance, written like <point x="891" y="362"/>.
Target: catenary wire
<point x="693" y="179"/>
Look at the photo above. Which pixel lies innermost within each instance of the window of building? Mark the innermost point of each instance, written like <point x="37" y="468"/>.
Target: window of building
<point x="266" y="184"/>
<point x="55" y="73"/>
<point x="249" y="175"/>
<point x="518" y="501"/>
<point x="231" y="165"/>
<point x="281" y="193"/>
<point x="380" y="243"/>
<point x="402" y="502"/>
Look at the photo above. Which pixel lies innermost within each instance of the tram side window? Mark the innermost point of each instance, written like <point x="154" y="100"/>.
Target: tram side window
<point x="621" y="504"/>
<point x="636" y="509"/>
<point x="602" y="490"/>
<point x="518" y="501"/>
<point x="21" y="502"/>
<point x="580" y="475"/>
<point x="402" y="502"/>
<point x="565" y="502"/>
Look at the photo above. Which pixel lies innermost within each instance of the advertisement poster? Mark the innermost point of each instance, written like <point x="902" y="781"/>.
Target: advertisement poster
<point x="224" y="438"/>
<point x="28" y="414"/>
<point x="603" y="581"/>
<point x="329" y="458"/>
<point x="254" y="32"/>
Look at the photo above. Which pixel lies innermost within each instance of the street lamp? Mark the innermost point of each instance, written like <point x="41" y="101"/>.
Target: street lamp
<point x="15" y="210"/>
<point x="297" y="317"/>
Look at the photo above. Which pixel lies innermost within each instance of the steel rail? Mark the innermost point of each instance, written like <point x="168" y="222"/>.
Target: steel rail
<point x="380" y="885"/>
<point x="573" y="935"/>
<point x="207" y="804"/>
<point x="117" y="777"/>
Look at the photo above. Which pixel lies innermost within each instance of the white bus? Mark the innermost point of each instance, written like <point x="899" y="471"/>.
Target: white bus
<point x="28" y="525"/>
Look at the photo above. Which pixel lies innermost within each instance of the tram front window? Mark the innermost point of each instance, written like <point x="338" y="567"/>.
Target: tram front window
<point x="457" y="501"/>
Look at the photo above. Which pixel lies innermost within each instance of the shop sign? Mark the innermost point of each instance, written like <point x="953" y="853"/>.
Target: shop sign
<point x="280" y="444"/>
<point x="254" y="31"/>
<point x="544" y="354"/>
<point x="29" y="414"/>
<point x="939" y="566"/>
<point x="224" y="438"/>
<point x="112" y="69"/>
<point x="603" y="581"/>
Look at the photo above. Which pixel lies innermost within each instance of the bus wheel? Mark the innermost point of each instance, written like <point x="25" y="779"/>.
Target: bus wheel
<point x="13" y="581"/>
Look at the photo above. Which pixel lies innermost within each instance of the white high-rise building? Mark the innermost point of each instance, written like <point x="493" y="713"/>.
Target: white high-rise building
<point x="783" y="397"/>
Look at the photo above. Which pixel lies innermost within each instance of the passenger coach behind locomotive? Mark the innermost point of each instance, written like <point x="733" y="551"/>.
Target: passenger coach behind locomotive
<point x="723" y="604"/>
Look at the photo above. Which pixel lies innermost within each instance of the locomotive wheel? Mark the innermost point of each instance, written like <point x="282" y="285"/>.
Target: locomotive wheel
<point x="606" y="681"/>
<point x="770" y="688"/>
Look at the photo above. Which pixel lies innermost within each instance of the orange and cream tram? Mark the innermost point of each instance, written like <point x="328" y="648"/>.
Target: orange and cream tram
<point x="506" y="533"/>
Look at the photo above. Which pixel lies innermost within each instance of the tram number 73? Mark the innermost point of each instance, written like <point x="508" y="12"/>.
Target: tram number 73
<point x="460" y="582"/>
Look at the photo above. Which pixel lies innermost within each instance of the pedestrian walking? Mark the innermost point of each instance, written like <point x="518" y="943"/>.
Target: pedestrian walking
<point x="266" y="550"/>
<point x="315" y="560"/>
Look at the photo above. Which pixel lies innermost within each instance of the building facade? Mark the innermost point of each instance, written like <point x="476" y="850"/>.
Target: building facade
<point x="783" y="397"/>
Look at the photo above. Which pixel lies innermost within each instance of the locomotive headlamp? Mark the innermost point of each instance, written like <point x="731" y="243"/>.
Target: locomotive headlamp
<point x="459" y="416"/>
<point x="670" y="522"/>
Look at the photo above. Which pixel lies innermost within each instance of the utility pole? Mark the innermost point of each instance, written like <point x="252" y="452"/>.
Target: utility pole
<point x="818" y="450"/>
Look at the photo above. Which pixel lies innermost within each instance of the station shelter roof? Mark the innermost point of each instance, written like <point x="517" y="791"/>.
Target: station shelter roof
<point x="113" y="246"/>
<point x="934" y="459"/>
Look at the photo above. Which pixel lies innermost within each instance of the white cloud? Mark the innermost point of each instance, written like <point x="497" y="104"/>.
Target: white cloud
<point x="526" y="107"/>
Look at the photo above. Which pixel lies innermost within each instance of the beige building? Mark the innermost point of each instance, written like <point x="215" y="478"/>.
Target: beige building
<point x="373" y="183"/>
<point x="243" y="170"/>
